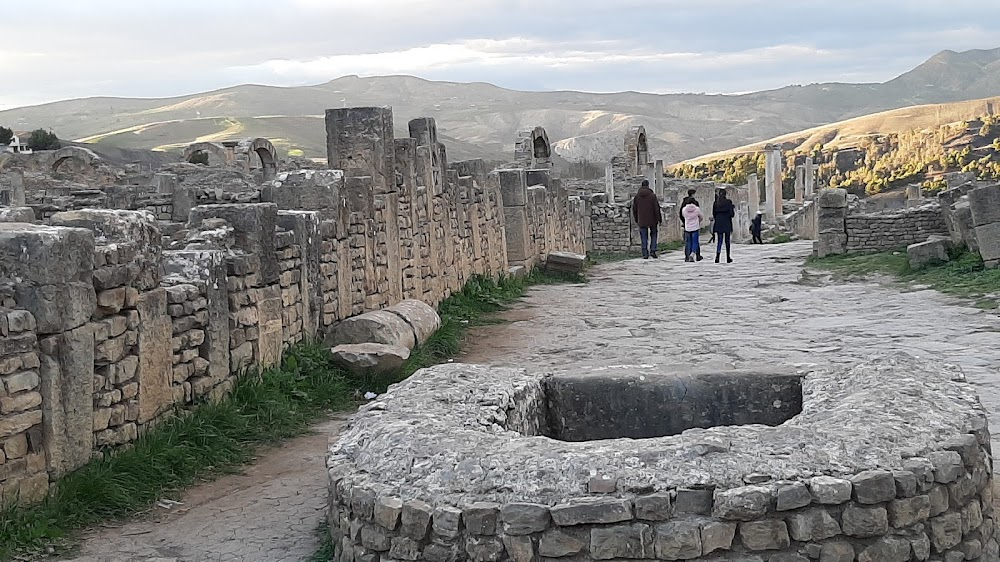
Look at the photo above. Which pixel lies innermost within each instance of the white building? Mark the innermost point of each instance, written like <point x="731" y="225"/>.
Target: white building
<point x="16" y="146"/>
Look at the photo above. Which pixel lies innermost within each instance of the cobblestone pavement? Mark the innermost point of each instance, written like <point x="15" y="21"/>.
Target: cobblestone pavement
<point x="760" y="310"/>
<point x="270" y="512"/>
<point x="757" y="311"/>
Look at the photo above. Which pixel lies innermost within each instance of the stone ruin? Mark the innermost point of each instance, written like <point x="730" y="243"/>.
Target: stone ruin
<point x="467" y="462"/>
<point x="112" y="317"/>
<point x="966" y="214"/>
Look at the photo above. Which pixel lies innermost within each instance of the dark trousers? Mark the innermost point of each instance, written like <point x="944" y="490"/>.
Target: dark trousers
<point x="756" y="238"/>
<point x="648" y="236"/>
<point x="723" y="236"/>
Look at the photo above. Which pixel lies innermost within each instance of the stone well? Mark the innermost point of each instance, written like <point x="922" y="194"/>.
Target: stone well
<point x="886" y="461"/>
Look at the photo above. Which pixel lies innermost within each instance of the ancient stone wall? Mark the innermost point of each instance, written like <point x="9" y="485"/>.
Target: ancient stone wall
<point x="803" y="222"/>
<point x="111" y="319"/>
<point x="888" y="231"/>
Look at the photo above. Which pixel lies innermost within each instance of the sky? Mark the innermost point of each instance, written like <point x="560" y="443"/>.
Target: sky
<point x="62" y="49"/>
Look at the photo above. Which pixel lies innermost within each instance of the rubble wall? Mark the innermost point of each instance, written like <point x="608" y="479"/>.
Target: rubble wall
<point x="111" y="320"/>
<point x="889" y="231"/>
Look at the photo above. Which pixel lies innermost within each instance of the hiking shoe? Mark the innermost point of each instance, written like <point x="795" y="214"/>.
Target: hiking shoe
<point x="653" y="255"/>
<point x="645" y="257"/>
<point x="729" y="260"/>
<point x="699" y="257"/>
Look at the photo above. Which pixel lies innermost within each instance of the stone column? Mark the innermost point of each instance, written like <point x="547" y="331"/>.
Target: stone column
<point x="810" y="177"/>
<point x="12" y="189"/>
<point x="514" y="194"/>
<point x="753" y="189"/>
<point x="914" y="198"/>
<point x="800" y="184"/>
<point x="773" y="208"/>
<point x="609" y="183"/>
<point x="831" y="219"/>
<point x="658" y="176"/>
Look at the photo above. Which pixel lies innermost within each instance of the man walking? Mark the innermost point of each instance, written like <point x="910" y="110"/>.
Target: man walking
<point x="756" y="227"/>
<point x="646" y="213"/>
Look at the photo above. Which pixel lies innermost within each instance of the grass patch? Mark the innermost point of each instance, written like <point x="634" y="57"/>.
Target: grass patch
<point x="611" y="257"/>
<point x="782" y="238"/>
<point x="264" y="408"/>
<point x="964" y="276"/>
<point x="325" y="551"/>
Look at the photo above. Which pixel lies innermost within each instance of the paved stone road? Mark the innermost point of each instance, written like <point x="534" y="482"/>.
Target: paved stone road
<point x="757" y="311"/>
<point x="760" y="310"/>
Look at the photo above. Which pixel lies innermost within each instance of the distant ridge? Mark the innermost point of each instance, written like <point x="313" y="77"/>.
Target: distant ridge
<point x="482" y="120"/>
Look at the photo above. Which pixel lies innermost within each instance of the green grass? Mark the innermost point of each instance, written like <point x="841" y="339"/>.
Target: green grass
<point x="662" y="247"/>
<point x="964" y="276"/>
<point x="326" y="548"/>
<point x="782" y="238"/>
<point x="263" y="409"/>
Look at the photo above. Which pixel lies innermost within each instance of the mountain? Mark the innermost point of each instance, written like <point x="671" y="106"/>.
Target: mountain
<point x="482" y="120"/>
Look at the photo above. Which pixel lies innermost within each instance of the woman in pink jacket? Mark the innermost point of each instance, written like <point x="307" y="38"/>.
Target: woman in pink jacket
<point x="693" y="217"/>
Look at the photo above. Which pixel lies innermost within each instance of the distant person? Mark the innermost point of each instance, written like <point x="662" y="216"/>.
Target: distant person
<point x="711" y="220"/>
<point x="723" y="212"/>
<point x="688" y="199"/>
<point x="693" y="217"/>
<point x="646" y="212"/>
<point x="756" y="227"/>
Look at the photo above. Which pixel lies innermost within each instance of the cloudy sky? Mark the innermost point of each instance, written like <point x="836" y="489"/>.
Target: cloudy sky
<point x="60" y="49"/>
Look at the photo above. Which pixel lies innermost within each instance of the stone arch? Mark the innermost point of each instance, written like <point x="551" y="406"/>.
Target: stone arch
<point x="248" y="151"/>
<point x="83" y="155"/>
<point x="636" y="150"/>
<point x="219" y="151"/>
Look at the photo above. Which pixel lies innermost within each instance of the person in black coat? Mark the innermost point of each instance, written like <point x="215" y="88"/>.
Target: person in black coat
<point x="756" y="227"/>
<point x="723" y="212"/>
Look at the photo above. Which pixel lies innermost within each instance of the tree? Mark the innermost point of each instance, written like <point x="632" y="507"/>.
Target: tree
<point x="6" y="135"/>
<point x="43" y="140"/>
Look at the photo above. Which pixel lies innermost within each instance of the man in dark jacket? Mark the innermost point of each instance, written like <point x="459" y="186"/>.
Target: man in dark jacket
<point x="689" y="199"/>
<point x="646" y="213"/>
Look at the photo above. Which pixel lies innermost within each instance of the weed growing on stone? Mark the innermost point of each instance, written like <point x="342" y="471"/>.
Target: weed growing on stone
<point x="964" y="276"/>
<point x="326" y="550"/>
<point x="214" y="439"/>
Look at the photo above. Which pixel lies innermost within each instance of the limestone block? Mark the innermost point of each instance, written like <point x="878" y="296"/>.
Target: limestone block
<point x="591" y="511"/>
<point x="984" y="202"/>
<point x="513" y="187"/>
<point x="565" y="262"/>
<point x="931" y="252"/>
<point x="524" y="518"/>
<point x="66" y="370"/>
<point x="423" y="319"/>
<point x="270" y="342"/>
<point x="54" y="266"/>
<point x="832" y="198"/>
<point x="633" y="541"/>
<point x="137" y="229"/>
<point x="359" y="141"/>
<point x="379" y="326"/>
<point x="155" y="371"/>
<point x="764" y="535"/>
<point x="364" y="358"/>
<point x="17" y="214"/>
<point x="988" y="239"/>
<point x="517" y="232"/>
<point x="253" y="228"/>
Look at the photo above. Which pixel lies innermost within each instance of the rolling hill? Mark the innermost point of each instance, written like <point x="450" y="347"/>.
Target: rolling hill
<point x="481" y="120"/>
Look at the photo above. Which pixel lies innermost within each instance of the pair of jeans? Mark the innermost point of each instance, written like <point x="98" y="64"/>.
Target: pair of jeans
<point x="727" y="236"/>
<point x="691" y="244"/>
<point x="648" y="238"/>
<point x="757" y="239"/>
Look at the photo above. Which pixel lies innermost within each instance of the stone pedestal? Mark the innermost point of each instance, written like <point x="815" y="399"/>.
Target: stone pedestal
<point x="831" y="209"/>
<point x="609" y="183"/>
<point x="984" y="202"/>
<point x="359" y="141"/>
<point x="914" y="198"/>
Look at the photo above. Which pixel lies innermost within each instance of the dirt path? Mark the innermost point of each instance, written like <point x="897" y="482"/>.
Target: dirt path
<point x="269" y="512"/>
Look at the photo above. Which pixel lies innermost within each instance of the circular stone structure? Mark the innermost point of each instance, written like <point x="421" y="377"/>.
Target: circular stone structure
<point x="884" y="461"/>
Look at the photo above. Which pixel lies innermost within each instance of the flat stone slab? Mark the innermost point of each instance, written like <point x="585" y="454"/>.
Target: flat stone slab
<point x="463" y="433"/>
<point x="565" y="262"/>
